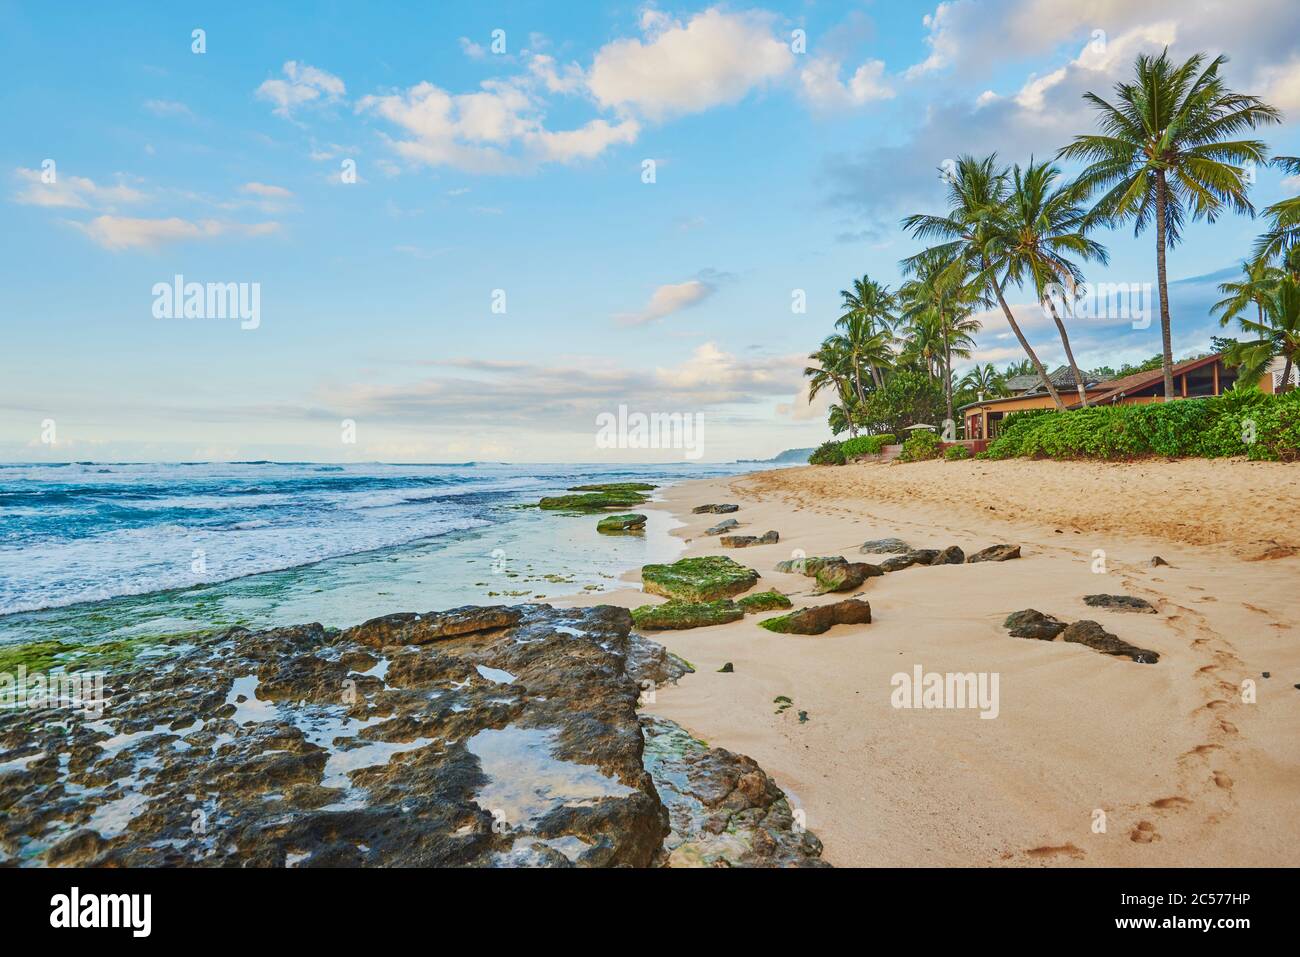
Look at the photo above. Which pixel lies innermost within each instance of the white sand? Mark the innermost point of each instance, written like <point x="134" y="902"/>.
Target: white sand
<point x="1184" y="770"/>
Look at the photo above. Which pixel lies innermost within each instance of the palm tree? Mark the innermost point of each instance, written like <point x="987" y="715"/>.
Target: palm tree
<point x="1167" y="152"/>
<point x="937" y="313"/>
<point x="868" y="348"/>
<point x="832" y="370"/>
<point x="1046" y="224"/>
<point x="1023" y="367"/>
<point x="1277" y="334"/>
<point x="1258" y="280"/>
<point x="973" y="234"/>
<point x="1284" y="235"/>
<point x="873" y="304"/>
<point x="983" y="380"/>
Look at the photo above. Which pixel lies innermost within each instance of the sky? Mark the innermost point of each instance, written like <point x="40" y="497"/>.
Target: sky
<point x="474" y="229"/>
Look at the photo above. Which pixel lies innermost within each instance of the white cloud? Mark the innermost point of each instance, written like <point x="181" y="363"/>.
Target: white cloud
<point x="475" y="51"/>
<point x="823" y="88"/>
<point x="303" y="85"/>
<point x="70" y="192"/>
<point x="266" y="191"/>
<point x="713" y="59"/>
<point x="167" y="108"/>
<point x="123" y="232"/>
<point x="1280" y="84"/>
<point x="667" y="300"/>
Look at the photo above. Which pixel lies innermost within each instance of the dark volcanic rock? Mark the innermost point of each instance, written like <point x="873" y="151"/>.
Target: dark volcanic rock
<point x="952" y="555"/>
<point x="821" y="618"/>
<point x="995" y="553"/>
<point x="744" y="541"/>
<point x="1094" y="636"/>
<point x="311" y="747"/>
<point x="1156" y="561"/>
<point x="715" y="509"/>
<point x="923" y="556"/>
<point x="1033" y="624"/>
<point x="409" y="628"/>
<point x="722" y="526"/>
<point x="723" y="811"/>
<point x="885" y="546"/>
<point x="897" y="563"/>
<point x="808" y="566"/>
<point x="1120" y="603"/>
<point x="844" y="576"/>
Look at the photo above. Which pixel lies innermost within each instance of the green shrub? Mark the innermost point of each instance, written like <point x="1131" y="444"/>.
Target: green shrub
<point x="1240" y="422"/>
<point x="921" y="445"/>
<point x="867" y="445"/>
<point x="955" y="453"/>
<point x="828" y="453"/>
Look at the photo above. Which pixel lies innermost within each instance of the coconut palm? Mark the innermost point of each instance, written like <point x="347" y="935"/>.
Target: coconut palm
<point x="983" y="380"/>
<point x="870" y="302"/>
<point x="1276" y="334"/>
<point x="833" y="370"/>
<point x="869" y="348"/>
<point x="973" y="247"/>
<point x="1047" y="225"/>
<point x="1259" y="279"/>
<point x="1283" y="236"/>
<point x="1166" y="152"/>
<point x="936" y="317"/>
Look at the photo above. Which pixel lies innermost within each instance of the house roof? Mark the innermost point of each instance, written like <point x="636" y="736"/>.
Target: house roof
<point x="1110" y="390"/>
<point x="1061" y="377"/>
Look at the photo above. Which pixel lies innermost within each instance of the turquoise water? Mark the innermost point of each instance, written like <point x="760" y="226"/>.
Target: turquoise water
<point x="81" y="545"/>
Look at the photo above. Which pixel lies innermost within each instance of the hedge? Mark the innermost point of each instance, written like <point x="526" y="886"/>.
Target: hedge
<point x="1239" y="422"/>
<point x="828" y="453"/>
<point x="921" y="445"/>
<point x="866" y="445"/>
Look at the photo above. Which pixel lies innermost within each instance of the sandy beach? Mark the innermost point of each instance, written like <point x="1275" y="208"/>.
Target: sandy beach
<point x="1091" y="760"/>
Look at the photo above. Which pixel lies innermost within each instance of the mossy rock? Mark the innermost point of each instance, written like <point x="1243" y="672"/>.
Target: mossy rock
<point x="46" y="656"/>
<point x="591" y="501"/>
<point x="698" y="579"/>
<point x="764" y="601"/>
<point x="676" y="615"/>
<point x="621" y="524"/>
<point x="615" y="487"/>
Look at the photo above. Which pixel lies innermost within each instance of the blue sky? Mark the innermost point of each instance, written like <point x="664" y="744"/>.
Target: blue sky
<point x="776" y="169"/>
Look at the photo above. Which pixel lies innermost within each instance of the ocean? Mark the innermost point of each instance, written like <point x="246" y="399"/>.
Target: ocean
<point x="92" y="551"/>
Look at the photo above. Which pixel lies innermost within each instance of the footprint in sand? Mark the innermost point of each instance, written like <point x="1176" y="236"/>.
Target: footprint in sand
<point x="1144" y="833"/>
<point x="1171" y="803"/>
<point x="1203" y="749"/>
<point x="1222" y="780"/>
<point x="1064" y="850"/>
<point x="1227" y="727"/>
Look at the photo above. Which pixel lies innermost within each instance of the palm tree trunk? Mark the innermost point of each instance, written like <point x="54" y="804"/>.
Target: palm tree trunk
<point x="1286" y="374"/>
<point x="1024" y="344"/>
<point x="1069" y="353"/>
<point x="1166" y="339"/>
<point x="947" y="380"/>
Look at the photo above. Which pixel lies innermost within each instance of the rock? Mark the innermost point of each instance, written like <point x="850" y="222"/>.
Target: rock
<point x="618" y="524"/>
<point x="615" y="487"/>
<point x="923" y="556"/>
<point x="952" y="555"/>
<point x="995" y="553"/>
<point x="1094" y="636"/>
<point x="698" y="579"/>
<point x="723" y="810"/>
<point x="763" y="601"/>
<point x="808" y="566"/>
<point x="821" y="618"/>
<point x="592" y="501"/>
<point x="844" y="576"/>
<point x="650" y="661"/>
<point x="897" y="563"/>
<point x="744" y="541"/>
<point x="803" y="717"/>
<point x="408" y="628"/>
<point x="1156" y="561"/>
<point x="1120" y="603"/>
<point x="333" y="760"/>
<point x="885" y="546"/>
<point x="1033" y="624"/>
<point x="721" y="527"/>
<point x="715" y="509"/>
<point x="677" y="615"/>
<point x="727" y="669"/>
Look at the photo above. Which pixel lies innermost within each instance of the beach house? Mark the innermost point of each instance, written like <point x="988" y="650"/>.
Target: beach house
<point x="1193" y="379"/>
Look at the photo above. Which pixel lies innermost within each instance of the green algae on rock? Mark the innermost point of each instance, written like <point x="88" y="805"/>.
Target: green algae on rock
<point x="678" y="615"/>
<point x="614" y="487"/>
<point x="698" y="579"/>
<point x="820" y="618"/>
<point x="764" y="601"/>
<point x="592" y="501"/>
<point x="621" y="524"/>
